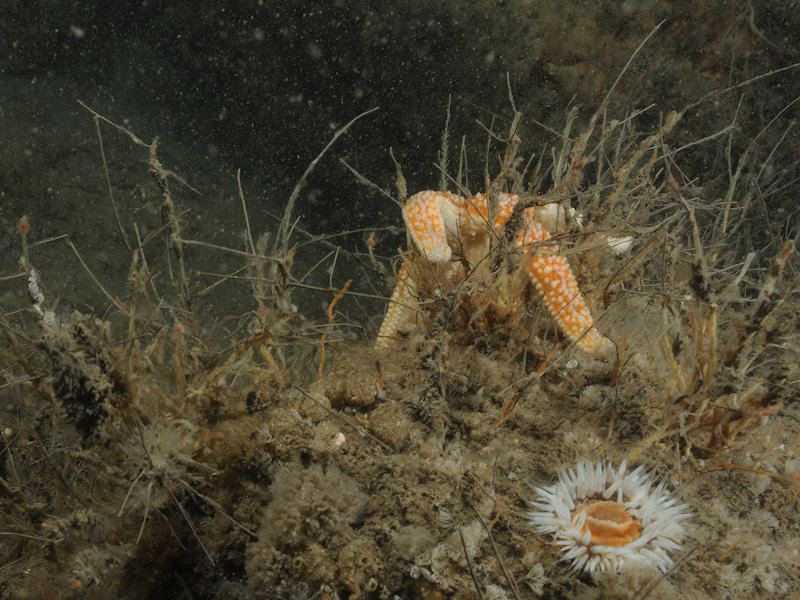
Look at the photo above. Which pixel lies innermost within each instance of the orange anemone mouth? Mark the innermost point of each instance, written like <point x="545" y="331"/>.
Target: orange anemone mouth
<point x="609" y="523"/>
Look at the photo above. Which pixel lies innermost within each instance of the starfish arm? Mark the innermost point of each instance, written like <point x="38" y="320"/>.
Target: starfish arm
<point x="552" y="277"/>
<point x="505" y="207"/>
<point x="400" y="314"/>
<point x="477" y="209"/>
<point x="428" y="216"/>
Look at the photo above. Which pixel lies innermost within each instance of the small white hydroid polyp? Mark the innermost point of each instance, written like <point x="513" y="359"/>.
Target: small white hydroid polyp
<point x="604" y="519"/>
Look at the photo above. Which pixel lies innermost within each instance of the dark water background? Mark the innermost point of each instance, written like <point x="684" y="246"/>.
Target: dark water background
<point x="261" y="86"/>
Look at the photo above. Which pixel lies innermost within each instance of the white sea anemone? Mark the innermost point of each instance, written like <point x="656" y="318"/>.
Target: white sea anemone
<point x="604" y="519"/>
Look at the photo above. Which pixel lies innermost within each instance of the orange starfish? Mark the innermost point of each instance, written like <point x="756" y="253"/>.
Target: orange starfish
<point x="442" y="224"/>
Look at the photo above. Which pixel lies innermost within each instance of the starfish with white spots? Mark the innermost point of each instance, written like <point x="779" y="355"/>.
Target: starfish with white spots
<point x="439" y="222"/>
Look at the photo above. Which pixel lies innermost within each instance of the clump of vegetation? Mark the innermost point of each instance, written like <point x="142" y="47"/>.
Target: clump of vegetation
<point x="159" y="447"/>
<point x="160" y="412"/>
